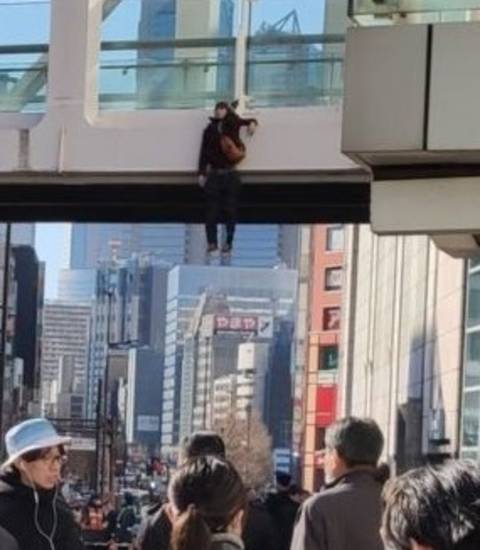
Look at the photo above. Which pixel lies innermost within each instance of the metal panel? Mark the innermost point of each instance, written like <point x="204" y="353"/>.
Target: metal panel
<point x="385" y="86"/>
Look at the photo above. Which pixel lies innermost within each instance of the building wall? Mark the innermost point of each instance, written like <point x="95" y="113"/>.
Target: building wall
<point x="402" y="343"/>
<point x="324" y="337"/>
<point x="66" y="332"/>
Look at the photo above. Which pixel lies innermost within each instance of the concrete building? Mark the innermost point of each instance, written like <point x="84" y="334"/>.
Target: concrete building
<point x="323" y="344"/>
<point x="253" y="292"/>
<point x="70" y="387"/>
<point x="77" y="285"/>
<point x="66" y="333"/>
<point x="252" y="367"/>
<point x="129" y="311"/>
<point x="29" y="280"/>
<point x="402" y="341"/>
<point x="92" y="244"/>
<point x="223" y="398"/>
<point x="144" y="402"/>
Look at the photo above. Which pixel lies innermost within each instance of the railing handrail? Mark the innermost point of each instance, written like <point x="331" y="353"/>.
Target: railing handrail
<point x="256" y="40"/>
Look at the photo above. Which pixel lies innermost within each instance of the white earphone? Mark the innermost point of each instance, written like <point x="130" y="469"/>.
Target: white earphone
<point x="36" y="520"/>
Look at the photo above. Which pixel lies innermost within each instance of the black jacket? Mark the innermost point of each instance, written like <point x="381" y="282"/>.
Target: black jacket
<point x="284" y="512"/>
<point x="211" y="154"/>
<point x="17" y="516"/>
<point x="259" y="533"/>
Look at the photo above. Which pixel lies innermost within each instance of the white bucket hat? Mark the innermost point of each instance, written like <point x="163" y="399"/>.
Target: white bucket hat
<point x="31" y="435"/>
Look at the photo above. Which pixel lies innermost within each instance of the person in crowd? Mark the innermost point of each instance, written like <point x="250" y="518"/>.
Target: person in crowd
<point x="207" y="506"/>
<point x="155" y="533"/>
<point x="93" y="516"/>
<point x="127" y="518"/>
<point x="433" y="509"/>
<point x="346" y="515"/>
<point x="7" y="542"/>
<point x="31" y="507"/>
<point x="110" y="515"/>
<point x="221" y="150"/>
<point x="259" y="532"/>
<point x="283" y="509"/>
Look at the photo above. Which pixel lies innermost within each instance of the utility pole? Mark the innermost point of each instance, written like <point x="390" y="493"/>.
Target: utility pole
<point x="3" y="349"/>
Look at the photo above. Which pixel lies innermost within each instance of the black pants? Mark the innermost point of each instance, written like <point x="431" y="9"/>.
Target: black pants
<point x="222" y="191"/>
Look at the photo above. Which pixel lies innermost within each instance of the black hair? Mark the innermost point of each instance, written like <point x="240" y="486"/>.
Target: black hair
<point x="283" y="479"/>
<point x="358" y="441"/>
<point x="203" y="443"/>
<point x="207" y="492"/>
<point x="39" y="454"/>
<point x="435" y="507"/>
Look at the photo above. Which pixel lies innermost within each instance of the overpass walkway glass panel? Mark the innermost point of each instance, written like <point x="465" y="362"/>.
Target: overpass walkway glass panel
<point x="295" y="56"/>
<point x="24" y="37"/>
<point x="168" y="54"/>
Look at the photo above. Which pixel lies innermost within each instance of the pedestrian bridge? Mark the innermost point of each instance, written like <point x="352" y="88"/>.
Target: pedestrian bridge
<point x="103" y="102"/>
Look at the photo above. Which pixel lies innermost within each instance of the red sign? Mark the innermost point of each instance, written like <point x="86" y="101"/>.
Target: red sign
<point x="326" y="409"/>
<point x="235" y="323"/>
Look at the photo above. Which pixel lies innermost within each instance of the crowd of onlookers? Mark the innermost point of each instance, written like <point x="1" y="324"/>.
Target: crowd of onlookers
<point x="209" y="508"/>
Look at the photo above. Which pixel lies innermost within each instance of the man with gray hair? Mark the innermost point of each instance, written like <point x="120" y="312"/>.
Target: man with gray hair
<point x="346" y="514"/>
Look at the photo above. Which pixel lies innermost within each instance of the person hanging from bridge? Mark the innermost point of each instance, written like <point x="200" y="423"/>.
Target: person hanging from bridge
<point x="221" y="151"/>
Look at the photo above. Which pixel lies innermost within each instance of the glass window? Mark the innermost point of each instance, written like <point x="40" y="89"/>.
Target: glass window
<point x="290" y="61"/>
<point x="168" y="54"/>
<point x="472" y="360"/>
<point x="471" y="417"/>
<point x="331" y="318"/>
<point x="474" y="300"/>
<point x="333" y="278"/>
<point x="24" y="35"/>
<point x="328" y="358"/>
<point x="335" y="238"/>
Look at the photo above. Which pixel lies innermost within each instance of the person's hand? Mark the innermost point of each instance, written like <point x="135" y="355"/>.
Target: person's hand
<point x="202" y="180"/>
<point x="252" y="127"/>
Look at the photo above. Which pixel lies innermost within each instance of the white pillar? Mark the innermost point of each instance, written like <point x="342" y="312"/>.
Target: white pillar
<point x="72" y="91"/>
<point x="241" y="54"/>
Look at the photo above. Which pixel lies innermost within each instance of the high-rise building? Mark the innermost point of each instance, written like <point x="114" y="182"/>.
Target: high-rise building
<point x="256" y="245"/>
<point x="243" y="291"/>
<point x="77" y="285"/>
<point x="322" y="346"/>
<point x="66" y="333"/>
<point x="92" y="244"/>
<point x="29" y="280"/>
<point x="144" y="398"/>
<point x="403" y="332"/>
<point x="129" y="311"/>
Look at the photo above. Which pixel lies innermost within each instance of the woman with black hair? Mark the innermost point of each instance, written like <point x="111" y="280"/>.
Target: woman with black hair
<point x="221" y="151"/>
<point x="207" y="506"/>
<point x="32" y="509"/>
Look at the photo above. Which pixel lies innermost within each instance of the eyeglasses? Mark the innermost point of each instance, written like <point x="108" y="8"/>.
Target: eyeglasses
<point x="57" y="460"/>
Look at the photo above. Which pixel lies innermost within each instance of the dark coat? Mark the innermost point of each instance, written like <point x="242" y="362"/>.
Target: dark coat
<point x="259" y="533"/>
<point x="211" y="154"/>
<point x="344" y="516"/>
<point x="283" y="511"/>
<point x="17" y="516"/>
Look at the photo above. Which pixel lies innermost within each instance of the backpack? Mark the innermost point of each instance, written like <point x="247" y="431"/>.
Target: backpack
<point x="234" y="152"/>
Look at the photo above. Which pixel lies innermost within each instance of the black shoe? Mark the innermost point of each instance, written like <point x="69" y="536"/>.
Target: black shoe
<point x="227" y="249"/>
